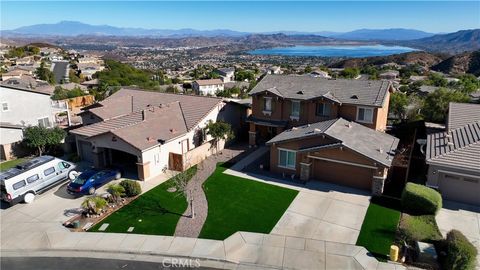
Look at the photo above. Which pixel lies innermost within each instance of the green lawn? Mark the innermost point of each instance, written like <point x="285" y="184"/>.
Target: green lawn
<point x="238" y="204"/>
<point x="378" y="229"/>
<point x="11" y="163"/>
<point x="155" y="212"/>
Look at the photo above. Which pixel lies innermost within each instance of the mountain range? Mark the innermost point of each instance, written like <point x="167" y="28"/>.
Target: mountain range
<point x="72" y="28"/>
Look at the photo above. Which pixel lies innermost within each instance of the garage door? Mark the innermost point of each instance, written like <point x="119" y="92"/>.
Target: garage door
<point x="86" y="151"/>
<point x="459" y="188"/>
<point x="342" y="174"/>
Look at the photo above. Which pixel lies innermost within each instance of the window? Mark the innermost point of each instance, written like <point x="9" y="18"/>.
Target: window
<point x="323" y="109"/>
<point x="295" y="109"/>
<point x="365" y="115"/>
<point x="267" y="104"/>
<point x="4" y="106"/>
<point x="19" y="184"/>
<point x="32" y="178"/>
<point x="44" y="122"/>
<point x="63" y="165"/>
<point x="286" y="159"/>
<point x="49" y="171"/>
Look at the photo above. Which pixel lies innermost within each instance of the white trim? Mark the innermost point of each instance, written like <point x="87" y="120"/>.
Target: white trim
<point x="288" y="168"/>
<point x="344" y="162"/>
<point x="286" y="149"/>
<point x="459" y="174"/>
<point x="363" y="121"/>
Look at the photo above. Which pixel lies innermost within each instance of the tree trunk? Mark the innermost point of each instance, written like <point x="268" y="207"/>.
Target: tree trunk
<point x="39" y="151"/>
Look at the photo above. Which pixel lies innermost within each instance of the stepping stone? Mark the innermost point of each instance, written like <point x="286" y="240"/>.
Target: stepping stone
<point x="103" y="227"/>
<point x="130" y="229"/>
<point x="87" y="226"/>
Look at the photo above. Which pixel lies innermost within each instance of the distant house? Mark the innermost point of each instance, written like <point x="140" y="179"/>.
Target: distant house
<point x="427" y="89"/>
<point x="227" y="74"/>
<point x="417" y="78"/>
<point x="320" y="74"/>
<point x="453" y="155"/>
<point x="21" y="107"/>
<point x="207" y="87"/>
<point x="274" y="70"/>
<point x="15" y="73"/>
<point x="389" y="75"/>
<point x="146" y="132"/>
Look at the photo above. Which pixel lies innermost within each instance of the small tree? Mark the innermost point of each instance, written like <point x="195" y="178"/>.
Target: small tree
<point x="436" y="104"/>
<point x="45" y="74"/>
<point x="219" y="131"/>
<point x="398" y="104"/>
<point x="40" y="137"/>
<point x="94" y="205"/>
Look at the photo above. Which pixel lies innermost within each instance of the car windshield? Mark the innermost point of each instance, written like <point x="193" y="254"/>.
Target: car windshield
<point x="82" y="178"/>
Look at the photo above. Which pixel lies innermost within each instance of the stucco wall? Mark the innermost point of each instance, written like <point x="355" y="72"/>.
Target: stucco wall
<point x="25" y="108"/>
<point x="10" y="135"/>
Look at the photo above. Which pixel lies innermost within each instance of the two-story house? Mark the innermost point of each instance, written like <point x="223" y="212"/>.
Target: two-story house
<point x="227" y="74"/>
<point x="22" y="106"/>
<point x="208" y="87"/>
<point x="324" y="129"/>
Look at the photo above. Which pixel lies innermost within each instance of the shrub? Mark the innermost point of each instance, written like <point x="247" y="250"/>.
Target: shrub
<point x="419" y="228"/>
<point x="117" y="191"/>
<point x="461" y="254"/>
<point x="132" y="188"/>
<point x="421" y="200"/>
<point x="94" y="205"/>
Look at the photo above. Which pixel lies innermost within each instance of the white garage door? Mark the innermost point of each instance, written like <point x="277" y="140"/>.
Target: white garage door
<point x="460" y="188"/>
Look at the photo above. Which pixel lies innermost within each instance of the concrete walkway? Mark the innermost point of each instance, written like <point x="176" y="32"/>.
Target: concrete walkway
<point x="188" y="226"/>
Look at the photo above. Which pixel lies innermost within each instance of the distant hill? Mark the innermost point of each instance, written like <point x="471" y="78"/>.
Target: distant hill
<point x="383" y="34"/>
<point x="462" y="63"/>
<point x="461" y="41"/>
<point x="422" y="58"/>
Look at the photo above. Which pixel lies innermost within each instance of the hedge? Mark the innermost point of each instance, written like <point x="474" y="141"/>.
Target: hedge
<point x="132" y="188"/>
<point x="421" y="200"/>
<point x="461" y="254"/>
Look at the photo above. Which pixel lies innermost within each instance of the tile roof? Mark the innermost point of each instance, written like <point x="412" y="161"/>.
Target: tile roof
<point x="209" y="82"/>
<point x="461" y="114"/>
<point x="152" y="117"/>
<point x="458" y="147"/>
<point x="361" y="92"/>
<point x="373" y="144"/>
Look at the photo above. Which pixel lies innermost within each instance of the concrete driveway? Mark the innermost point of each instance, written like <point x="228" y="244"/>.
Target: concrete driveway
<point x="324" y="211"/>
<point x="462" y="217"/>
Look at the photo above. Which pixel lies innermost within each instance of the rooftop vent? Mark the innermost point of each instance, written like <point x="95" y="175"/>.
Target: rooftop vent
<point x="317" y="130"/>
<point x="294" y="128"/>
<point x="354" y="97"/>
<point x="380" y="150"/>
<point x="450" y="144"/>
<point x="348" y="125"/>
<point x="300" y="92"/>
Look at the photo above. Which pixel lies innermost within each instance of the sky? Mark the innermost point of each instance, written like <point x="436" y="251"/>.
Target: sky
<point x="255" y="16"/>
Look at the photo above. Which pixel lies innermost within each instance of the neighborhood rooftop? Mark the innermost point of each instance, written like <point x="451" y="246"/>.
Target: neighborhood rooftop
<point x="376" y="145"/>
<point x="359" y="92"/>
<point x="209" y="82"/>
<point x="461" y="114"/>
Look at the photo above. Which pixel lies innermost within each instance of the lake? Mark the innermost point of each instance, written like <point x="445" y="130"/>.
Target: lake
<point x="334" y="51"/>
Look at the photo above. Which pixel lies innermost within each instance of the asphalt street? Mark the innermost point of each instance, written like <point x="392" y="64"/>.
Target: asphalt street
<point x="74" y="263"/>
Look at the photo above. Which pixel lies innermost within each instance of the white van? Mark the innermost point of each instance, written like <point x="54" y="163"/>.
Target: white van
<point x="35" y="176"/>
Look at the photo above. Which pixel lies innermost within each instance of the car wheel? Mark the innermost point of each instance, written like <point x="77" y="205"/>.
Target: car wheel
<point x="118" y="176"/>
<point x="29" y="197"/>
<point x="72" y="174"/>
<point x="91" y="190"/>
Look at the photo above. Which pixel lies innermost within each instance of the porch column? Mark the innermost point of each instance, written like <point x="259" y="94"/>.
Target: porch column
<point x="305" y="170"/>
<point x="378" y="181"/>
<point x="252" y="135"/>
<point x="143" y="170"/>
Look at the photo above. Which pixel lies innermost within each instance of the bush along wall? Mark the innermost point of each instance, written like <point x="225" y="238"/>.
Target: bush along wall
<point x="421" y="200"/>
<point x="461" y="254"/>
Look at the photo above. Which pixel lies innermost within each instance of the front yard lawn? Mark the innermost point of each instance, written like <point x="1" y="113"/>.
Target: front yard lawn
<point x="154" y="212"/>
<point x="238" y="204"/>
<point x="378" y="229"/>
<point x="11" y="163"/>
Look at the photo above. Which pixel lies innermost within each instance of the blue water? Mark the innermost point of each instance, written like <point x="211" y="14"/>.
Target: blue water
<point x="334" y="51"/>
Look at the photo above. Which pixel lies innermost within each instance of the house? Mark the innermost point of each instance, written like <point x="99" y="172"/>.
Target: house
<point x="337" y="151"/>
<point x="427" y="89"/>
<point x="274" y="70"/>
<point x="208" y="87"/>
<point x="21" y="107"/>
<point x="15" y="73"/>
<point x="389" y="75"/>
<point x="227" y="74"/>
<point x="146" y="132"/>
<point x="453" y="155"/>
<point x="320" y="74"/>
<point x="280" y="102"/>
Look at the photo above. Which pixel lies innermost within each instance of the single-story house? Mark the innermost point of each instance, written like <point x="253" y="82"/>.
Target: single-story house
<point x="338" y="151"/>
<point x="148" y="132"/>
<point x="389" y="75"/>
<point x="453" y="155"/>
<point x="208" y="87"/>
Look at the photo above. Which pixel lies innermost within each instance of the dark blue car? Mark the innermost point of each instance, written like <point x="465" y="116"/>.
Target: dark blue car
<point x="88" y="181"/>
